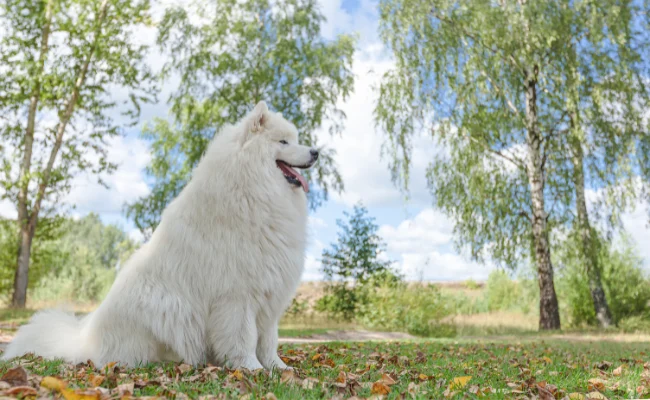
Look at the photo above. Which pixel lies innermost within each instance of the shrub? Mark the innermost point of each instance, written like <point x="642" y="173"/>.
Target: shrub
<point x="635" y="324"/>
<point x="626" y="287"/>
<point x="503" y="294"/>
<point x="416" y="309"/>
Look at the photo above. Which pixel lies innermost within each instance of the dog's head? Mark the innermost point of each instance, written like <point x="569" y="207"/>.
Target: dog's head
<point x="276" y="138"/>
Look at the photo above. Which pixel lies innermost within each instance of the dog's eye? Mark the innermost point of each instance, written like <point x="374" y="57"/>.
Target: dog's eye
<point x="284" y="142"/>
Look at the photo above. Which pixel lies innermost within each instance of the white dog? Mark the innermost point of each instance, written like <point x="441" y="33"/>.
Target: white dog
<point x="218" y="272"/>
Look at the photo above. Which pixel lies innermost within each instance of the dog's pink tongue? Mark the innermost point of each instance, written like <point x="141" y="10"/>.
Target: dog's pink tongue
<point x="303" y="181"/>
<point x="290" y="171"/>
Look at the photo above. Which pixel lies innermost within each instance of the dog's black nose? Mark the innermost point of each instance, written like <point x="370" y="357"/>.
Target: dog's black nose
<point x="314" y="154"/>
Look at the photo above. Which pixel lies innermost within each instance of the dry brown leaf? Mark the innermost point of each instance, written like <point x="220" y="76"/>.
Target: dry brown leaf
<point x="387" y="380"/>
<point x="618" y="371"/>
<point x="576" y="396"/>
<point x="596" y="384"/>
<point x="96" y="380"/>
<point x="379" y="388"/>
<point x="596" y="396"/>
<point x="22" y="391"/>
<point x="544" y="393"/>
<point x="605" y="365"/>
<point x="15" y="376"/>
<point x="269" y="396"/>
<point x="126" y="388"/>
<point x="310" y="383"/>
<point x="341" y="378"/>
<point x="423" y="377"/>
<point x="289" y="376"/>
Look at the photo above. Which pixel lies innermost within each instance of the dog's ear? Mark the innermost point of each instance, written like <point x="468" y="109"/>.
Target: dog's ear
<point x="259" y="116"/>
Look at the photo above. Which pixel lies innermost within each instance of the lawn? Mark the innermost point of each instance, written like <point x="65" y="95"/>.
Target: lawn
<point x="426" y="369"/>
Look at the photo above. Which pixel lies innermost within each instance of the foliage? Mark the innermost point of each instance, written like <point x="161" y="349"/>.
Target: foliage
<point x="76" y="260"/>
<point x="626" y="285"/>
<point x="353" y="265"/>
<point x="508" y="88"/>
<point x="416" y="309"/>
<point x="46" y="251"/>
<point x="232" y="55"/>
<point x="61" y="61"/>
<point x="503" y="294"/>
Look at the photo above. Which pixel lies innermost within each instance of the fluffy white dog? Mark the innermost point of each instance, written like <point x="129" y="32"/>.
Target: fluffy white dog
<point x="217" y="273"/>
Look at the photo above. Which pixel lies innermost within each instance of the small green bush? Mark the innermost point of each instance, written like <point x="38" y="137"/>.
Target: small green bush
<point x="635" y="324"/>
<point x="627" y="288"/>
<point x="503" y="294"/>
<point x="416" y="309"/>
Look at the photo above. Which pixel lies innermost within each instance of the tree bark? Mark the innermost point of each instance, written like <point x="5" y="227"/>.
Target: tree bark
<point x="28" y="229"/>
<point x="549" y="315"/>
<point x="26" y="235"/>
<point x="589" y="244"/>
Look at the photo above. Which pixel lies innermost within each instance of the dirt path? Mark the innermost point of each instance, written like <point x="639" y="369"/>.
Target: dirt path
<point x="364" y="336"/>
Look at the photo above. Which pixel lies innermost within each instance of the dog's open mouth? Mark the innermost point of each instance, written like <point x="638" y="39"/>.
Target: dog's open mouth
<point x="292" y="176"/>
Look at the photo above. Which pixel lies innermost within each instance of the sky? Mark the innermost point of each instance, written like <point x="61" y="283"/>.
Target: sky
<point x="419" y="238"/>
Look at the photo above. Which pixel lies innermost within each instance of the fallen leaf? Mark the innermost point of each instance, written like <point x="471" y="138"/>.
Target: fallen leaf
<point x="309" y="383"/>
<point x="269" y="396"/>
<point x="605" y="365"/>
<point x="387" y="380"/>
<point x="547" y="360"/>
<point x="341" y="378"/>
<point x="289" y="376"/>
<point x="81" y="394"/>
<point x="459" y="382"/>
<point x="596" y="396"/>
<point x="96" y="380"/>
<point x="183" y="368"/>
<point x="544" y="392"/>
<point x="15" y="376"/>
<point x="126" y="388"/>
<point x="22" y="391"/>
<point x="618" y="371"/>
<point x="596" y="384"/>
<point x="423" y="377"/>
<point x="379" y="388"/>
<point x="576" y="396"/>
<point x="52" y="383"/>
<point x="237" y="374"/>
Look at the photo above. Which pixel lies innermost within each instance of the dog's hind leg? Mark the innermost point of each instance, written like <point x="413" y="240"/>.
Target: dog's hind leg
<point x="233" y="335"/>
<point x="176" y="323"/>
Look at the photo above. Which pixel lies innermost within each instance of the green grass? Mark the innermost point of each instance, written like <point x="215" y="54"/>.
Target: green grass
<point x="422" y="368"/>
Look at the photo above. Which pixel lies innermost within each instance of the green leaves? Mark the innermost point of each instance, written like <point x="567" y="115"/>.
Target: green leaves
<point x="238" y="54"/>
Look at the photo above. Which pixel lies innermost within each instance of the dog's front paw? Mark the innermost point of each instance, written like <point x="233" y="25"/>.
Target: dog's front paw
<point x="249" y="363"/>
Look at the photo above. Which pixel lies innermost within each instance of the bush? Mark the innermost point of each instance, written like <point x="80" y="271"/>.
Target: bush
<point x="503" y="294"/>
<point x="417" y="309"/>
<point x="626" y="287"/>
<point x="635" y="324"/>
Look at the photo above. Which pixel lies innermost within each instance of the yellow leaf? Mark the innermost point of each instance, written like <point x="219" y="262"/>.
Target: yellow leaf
<point x="379" y="388"/>
<point x="237" y="374"/>
<point x="596" y="396"/>
<point x="547" y="360"/>
<point x="423" y="377"/>
<point x="576" y="396"/>
<point x="387" y="380"/>
<point x="596" y="384"/>
<point x="459" y="382"/>
<point x="95" y="380"/>
<point x="316" y="357"/>
<point x="52" y="383"/>
<point x="80" y="394"/>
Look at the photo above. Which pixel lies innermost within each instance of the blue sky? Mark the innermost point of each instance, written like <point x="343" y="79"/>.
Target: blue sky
<point x="419" y="238"/>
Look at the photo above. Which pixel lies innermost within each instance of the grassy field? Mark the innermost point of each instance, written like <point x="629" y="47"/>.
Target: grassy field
<point x="418" y="369"/>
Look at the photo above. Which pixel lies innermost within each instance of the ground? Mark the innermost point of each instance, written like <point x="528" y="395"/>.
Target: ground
<point x="537" y="367"/>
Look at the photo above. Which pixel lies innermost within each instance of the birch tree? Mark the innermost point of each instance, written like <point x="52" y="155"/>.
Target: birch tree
<point x="505" y="88"/>
<point x="60" y="63"/>
<point x="227" y="56"/>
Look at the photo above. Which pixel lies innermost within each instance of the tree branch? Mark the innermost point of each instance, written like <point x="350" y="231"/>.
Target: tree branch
<point x="66" y="116"/>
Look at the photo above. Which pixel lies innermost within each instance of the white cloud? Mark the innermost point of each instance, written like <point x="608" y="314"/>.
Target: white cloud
<point x="8" y="210"/>
<point x="423" y="248"/>
<point x="124" y="185"/>
<point x="636" y="224"/>
<point x="365" y="174"/>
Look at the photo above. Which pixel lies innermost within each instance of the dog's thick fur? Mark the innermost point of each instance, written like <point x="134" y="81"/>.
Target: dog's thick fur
<point x="217" y="273"/>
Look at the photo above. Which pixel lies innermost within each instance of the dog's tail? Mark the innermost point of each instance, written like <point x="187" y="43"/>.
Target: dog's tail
<point x="51" y="334"/>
